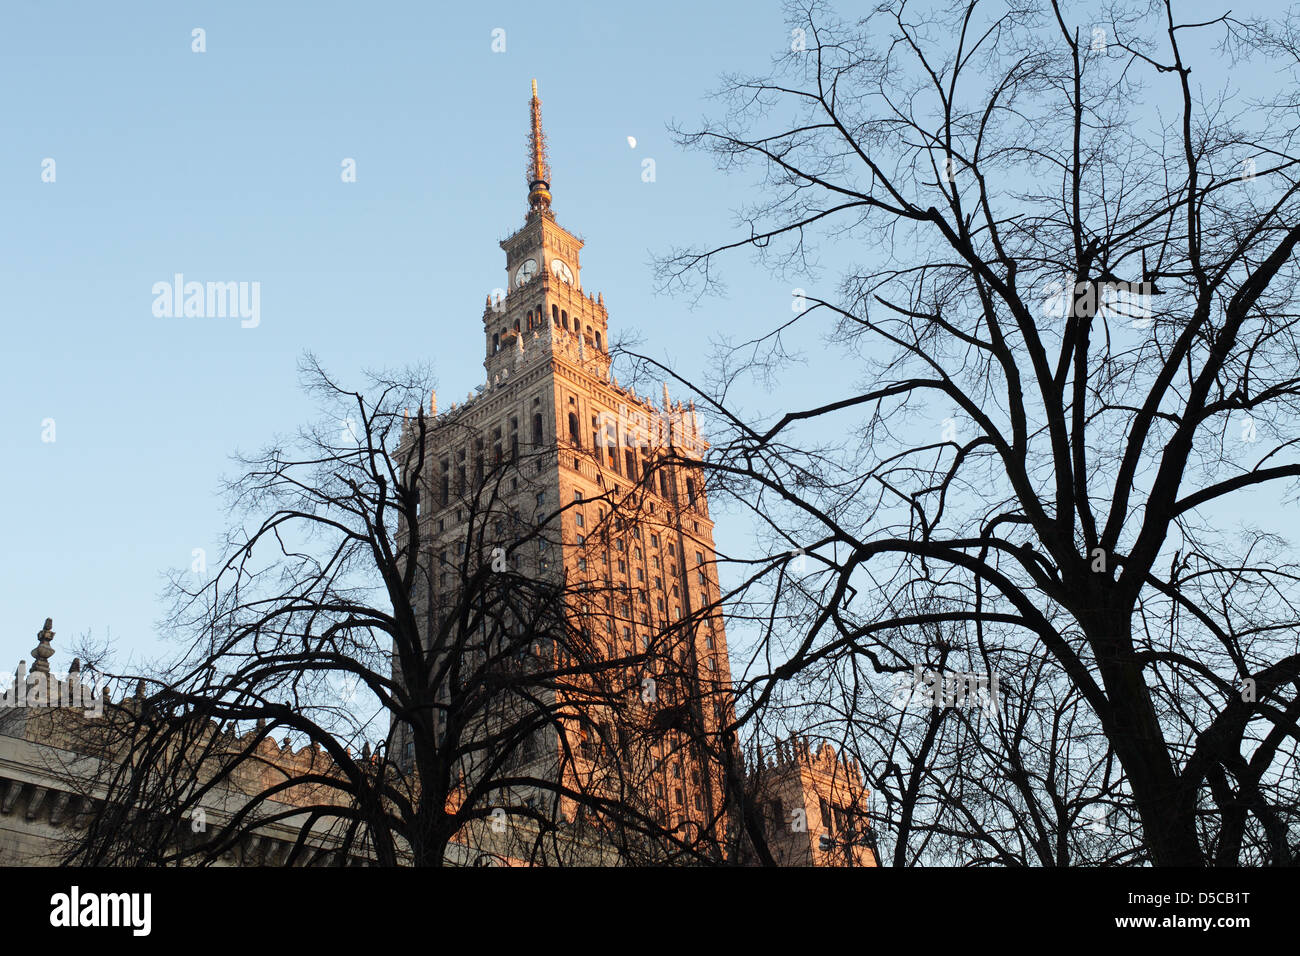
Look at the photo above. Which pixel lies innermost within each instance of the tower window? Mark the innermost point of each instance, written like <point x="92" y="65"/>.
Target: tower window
<point x="537" y="428"/>
<point x="555" y="314"/>
<point x="574" y="435"/>
<point x="598" y="345"/>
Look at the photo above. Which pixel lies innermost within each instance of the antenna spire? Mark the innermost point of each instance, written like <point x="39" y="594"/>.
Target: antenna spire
<point x="539" y="166"/>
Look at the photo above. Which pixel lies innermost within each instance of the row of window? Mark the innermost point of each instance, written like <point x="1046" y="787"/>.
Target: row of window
<point x="536" y="318"/>
<point x="502" y="441"/>
<point x="501" y="444"/>
<point x="637" y="467"/>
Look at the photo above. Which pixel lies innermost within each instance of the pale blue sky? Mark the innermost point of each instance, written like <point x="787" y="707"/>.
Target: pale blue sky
<point x="225" y="166"/>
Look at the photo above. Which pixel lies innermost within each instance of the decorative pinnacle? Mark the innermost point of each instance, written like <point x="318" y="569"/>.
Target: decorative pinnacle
<point x="539" y="166"/>
<point x="42" y="651"/>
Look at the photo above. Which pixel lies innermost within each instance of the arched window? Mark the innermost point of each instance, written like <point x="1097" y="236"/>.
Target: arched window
<point x="564" y="318"/>
<point x="516" y="325"/>
<point x="537" y="428"/>
<point x="496" y="341"/>
<point x="598" y="345"/>
<point x="574" y="435"/>
<point x="555" y="314"/>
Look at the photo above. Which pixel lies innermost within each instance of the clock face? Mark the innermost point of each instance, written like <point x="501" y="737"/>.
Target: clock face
<point x="526" y="271"/>
<point x="562" y="271"/>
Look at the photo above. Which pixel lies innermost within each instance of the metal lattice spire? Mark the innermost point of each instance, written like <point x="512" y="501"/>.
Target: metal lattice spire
<point x="539" y="164"/>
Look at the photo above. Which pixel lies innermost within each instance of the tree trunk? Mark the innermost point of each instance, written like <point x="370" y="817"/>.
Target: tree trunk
<point x="1163" y="805"/>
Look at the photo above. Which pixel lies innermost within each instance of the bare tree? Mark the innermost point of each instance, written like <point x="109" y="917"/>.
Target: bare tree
<point x="1068" y="283"/>
<point x="437" y="703"/>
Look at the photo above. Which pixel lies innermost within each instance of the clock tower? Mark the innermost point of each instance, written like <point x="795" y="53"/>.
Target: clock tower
<point x="543" y="298"/>
<point x="610" y="486"/>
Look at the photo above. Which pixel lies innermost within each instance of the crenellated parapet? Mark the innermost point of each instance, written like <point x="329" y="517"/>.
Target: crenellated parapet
<point x="798" y="751"/>
<point x="814" y="804"/>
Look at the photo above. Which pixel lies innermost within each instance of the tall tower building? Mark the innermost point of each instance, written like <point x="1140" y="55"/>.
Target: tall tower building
<point x="607" y="474"/>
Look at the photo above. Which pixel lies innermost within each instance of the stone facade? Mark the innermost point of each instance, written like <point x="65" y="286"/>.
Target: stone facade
<point x="815" y="806"/>
<point x="52" y="768"/>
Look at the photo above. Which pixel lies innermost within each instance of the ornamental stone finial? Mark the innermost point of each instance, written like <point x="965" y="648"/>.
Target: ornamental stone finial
<point x="42" y="652"/>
